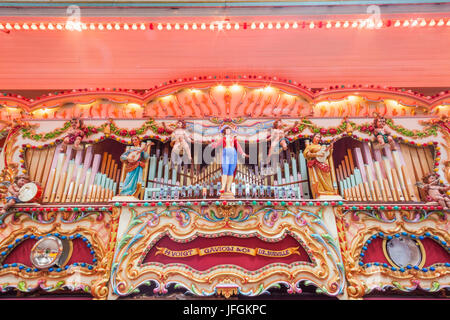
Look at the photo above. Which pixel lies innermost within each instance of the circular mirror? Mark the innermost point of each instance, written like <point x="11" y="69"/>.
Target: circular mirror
<point x="46" y="252"/>
<point x="403" y="251"/>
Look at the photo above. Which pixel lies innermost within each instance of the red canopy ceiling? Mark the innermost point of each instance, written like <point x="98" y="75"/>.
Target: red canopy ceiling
<point x="399" y="57"/>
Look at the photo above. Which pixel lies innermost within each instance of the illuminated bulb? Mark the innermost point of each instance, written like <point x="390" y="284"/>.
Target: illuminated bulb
<point x="261" y="25"/>
<point x="117" y="26"/>
<point x="423" y="23"/>
<point x="26" y="27"/>
<point x="414" y="23"/>
<point x="370" y="24"/>
<point x="354" y="24"/>
<point x="160" y="27"/>
<point x="42" y="26"/>
<point x="211" y="26"/>
<point x="406" y="23"/>
<point x="295" y="25"/>
<point x="228" y="26"/>
<point x="311" y="25"/>
<point x="142" y="26"/>
<point x="328" y="25"/>
<point x="203" y="26"/>
<point x="379" y="24"/>
<point x="194" y="26"/>
<point x="397" y="23"/>
<point x="2" y="27"/>
<point x="100" y="26"/>
<point x="440" y="23"/>
<point x="346" y="24"/>
<point x="126" y="26"/>
<point x="84" y="26"/>
<point x="134" y="26"/>
<point x="92" y="26"/>
<point x="169" y="27"/>
<point x="33" y="26"/>
<point x="448" y="23"/>
<point x="220" y="26"/>
<point x="270" y="25"/>
<point x="338" y="24"/>
<point x="235" y="87"/>
<point x="109" y="26"/>
<point x="253" y="26"/>
<point x="16" y="26"/>
<point x="220" y="87"/>
<point x="432" y="23"/>
<point x="9" y="27"/>
<point x="278" y="26"/>
<point x="286" y="25"/>
<point x="186" y="27"/>
<point x="177" y="26"/>
<point x="236" y="26"/>
<point x="59" y="26"/>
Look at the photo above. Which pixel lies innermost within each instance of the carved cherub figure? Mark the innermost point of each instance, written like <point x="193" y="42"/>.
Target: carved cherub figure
<point x="381" y="134"/>
<point x="180" y="140"/>
<point x="75" y="135"/>
<point x="278" y="137"/>
<point x="13" y="192"/>
<point x="435" y="191"/>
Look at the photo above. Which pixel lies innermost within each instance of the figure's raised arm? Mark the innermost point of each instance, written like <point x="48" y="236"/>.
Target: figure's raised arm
<point x="286" y="130"/>
<point x="167" y="129"/>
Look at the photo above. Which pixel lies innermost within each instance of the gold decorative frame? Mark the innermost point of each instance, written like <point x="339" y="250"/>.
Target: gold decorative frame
<point x="142" y="227"/>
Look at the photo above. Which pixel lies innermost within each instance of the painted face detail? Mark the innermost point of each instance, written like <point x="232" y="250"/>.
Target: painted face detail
<point x="21" y="182"/>
<point x="316" y="139"/>
<point x="135" y="141"/>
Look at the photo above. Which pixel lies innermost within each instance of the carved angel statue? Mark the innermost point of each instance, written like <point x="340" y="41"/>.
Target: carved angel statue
<point x="381" y="134"/>
<point x="278" y="138"/>
<point x="75" y="135"/>
<point x="435" y="191"/>
<point x="180" y="140"/>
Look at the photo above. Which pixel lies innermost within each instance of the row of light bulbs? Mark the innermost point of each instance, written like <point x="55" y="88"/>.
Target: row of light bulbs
<point x="368" y="23"/>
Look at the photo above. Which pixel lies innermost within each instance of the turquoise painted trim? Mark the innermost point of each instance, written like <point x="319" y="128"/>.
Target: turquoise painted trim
<point x="225" y="5"/>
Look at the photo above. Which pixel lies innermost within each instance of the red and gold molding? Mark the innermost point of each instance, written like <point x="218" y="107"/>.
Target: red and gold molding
<point x="91" y="233"/>
<point x="142" y="230"/>
<point x="225" y="96"/>
<point x="368" y="266"/>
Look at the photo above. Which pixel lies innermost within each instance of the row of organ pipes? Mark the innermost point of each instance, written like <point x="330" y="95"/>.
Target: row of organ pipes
<point x="363" y="173"/>
<point x="73" y="176"/>
<point x="167" y="181"/>
<point x="384" y="175"/>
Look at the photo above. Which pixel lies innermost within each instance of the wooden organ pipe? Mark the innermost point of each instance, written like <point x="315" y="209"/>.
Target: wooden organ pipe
<point x="74" y="176"/>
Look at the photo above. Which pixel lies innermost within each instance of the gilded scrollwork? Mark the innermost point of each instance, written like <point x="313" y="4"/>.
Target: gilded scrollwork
<point x="145" y="227"/>
<point x="77" y="276"/>
<point x="355" y="234"/>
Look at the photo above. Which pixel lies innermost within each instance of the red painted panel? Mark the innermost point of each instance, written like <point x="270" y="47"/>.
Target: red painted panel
<point x="21" y="253"/>
<point x="434" y="252"/>
<point x="243" y="260"/>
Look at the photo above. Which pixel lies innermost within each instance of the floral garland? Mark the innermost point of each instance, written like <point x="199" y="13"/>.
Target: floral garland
<point x="107" y="128"/>
<point x="110" y="128"/>
<point x="348" y="126"/>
